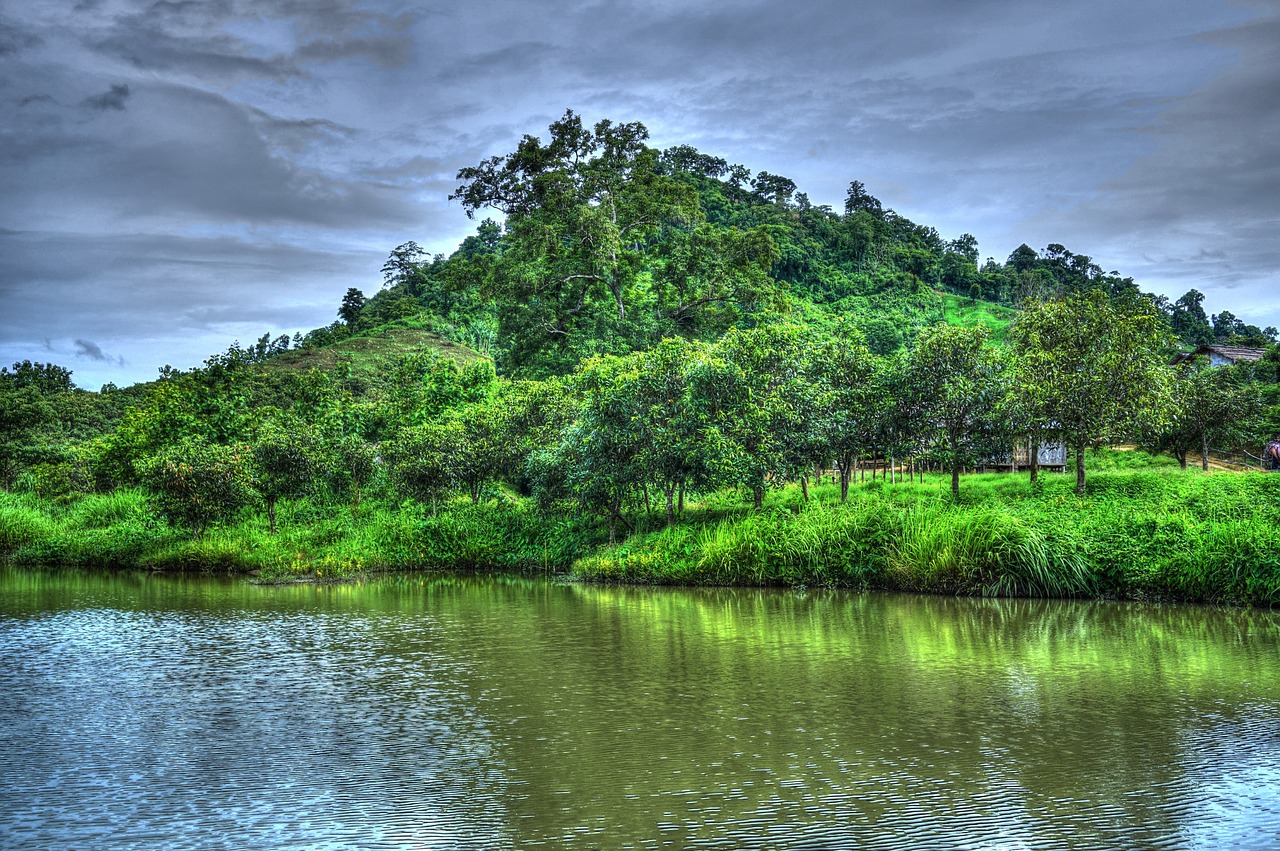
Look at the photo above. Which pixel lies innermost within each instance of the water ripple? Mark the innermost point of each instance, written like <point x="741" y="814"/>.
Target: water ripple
<point x="497" y="713"/>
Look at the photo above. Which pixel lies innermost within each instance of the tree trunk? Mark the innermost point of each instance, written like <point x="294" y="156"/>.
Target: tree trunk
<point x="271" y="515"/>
<point x="1080" y="467"/>
<point x="804" y="487"/>
<point x="846" y="470"/>
<point x="671" y="510"/>
<point x="680" y="504"/>
<point x="1204" y="452"/>
<point x="1181" y="455"/>
<point x="1035" y="459"/>
<point x="955" y="481"/>
<point x="758" y="494"/>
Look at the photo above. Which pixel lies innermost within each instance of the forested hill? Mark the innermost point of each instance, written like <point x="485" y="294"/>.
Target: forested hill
<point x="653" y="331"/>
<point x="606" y="247"/>
<point x="609" y="245"/>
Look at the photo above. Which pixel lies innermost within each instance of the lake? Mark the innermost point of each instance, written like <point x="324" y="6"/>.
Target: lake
<point x="427" y="712"/>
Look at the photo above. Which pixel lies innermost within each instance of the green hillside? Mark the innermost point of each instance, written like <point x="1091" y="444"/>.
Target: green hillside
<point x="374" y="353"/>
<point x="662" y="367"/>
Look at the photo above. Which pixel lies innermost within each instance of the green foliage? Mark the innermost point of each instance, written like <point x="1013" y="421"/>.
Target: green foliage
<point x="422" y="460"/>
<point x="196" y="482"/>
<point x="718" y="334"/>
<point x="952" y="391"/>
<point x="285" y="460"/>
<point x="1089" y="369"/>
<point x="580" y="211"/>
<point x="21" y="524"/>
<point x="985" y="550"/>
<point x="1208" y="407"/>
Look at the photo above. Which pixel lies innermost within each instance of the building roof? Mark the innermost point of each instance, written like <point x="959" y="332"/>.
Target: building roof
<point x="1234" y="354"/>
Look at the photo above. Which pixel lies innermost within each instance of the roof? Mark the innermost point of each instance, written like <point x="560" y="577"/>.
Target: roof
<point x="1234" y="354"/>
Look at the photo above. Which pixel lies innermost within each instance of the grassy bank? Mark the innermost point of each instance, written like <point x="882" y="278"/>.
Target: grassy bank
<point x="1143" y="531"/>
<point x="1147" y="534"/>
<point x="314" y="540"/>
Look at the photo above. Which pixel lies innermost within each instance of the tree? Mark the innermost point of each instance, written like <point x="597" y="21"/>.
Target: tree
<point x="674" y="451"/>
<point x="965" y="245"/>
<point x="423" y="460"/>
<point x="46" y="378"/>
<point x="1097" y="367"/>
<point x="197" y="483"/>
<point x="581" y="211"/>
<point x="1209" y="405"/>
<point x="1226" y="325"/>
<point x="285" y="460"/>
<point x="25" y="415"/>
<point x="956" y="378"/>
<point x="1189" y="320"/>
<point x="354" y="466"/>
<point x="403" y="267"/>
<point x="709" y="275"/>
<point x="849" y="402"/>
<point x="1024" y="258"/>
<point x="754" y="388"/>
<point x="352" y="304"/>
<point x="774" y="188"/>
<point x="858" y="199"/>
<point x="487" y="443"/>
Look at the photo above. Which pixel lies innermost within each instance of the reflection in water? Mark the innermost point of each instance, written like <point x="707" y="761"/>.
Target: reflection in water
<point x="414" y="712"/>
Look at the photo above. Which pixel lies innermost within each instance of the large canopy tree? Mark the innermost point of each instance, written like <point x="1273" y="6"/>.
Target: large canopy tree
<point x="958" y="380"/>
<point x="581" y="210"/>
<point x="1093" y="367"/>
<point x="849" y="399"/>
<point x="1209" y="405"/>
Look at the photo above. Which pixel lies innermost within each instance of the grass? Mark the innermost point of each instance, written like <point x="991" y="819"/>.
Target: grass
<point x="1145" y="530"/>
<point x="377" y="351"/>
<point x="1156" y="533"/>
<point x="960" y="311"/>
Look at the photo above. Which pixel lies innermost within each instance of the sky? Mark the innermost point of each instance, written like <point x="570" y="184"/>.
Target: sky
<point x="179" y="174"/>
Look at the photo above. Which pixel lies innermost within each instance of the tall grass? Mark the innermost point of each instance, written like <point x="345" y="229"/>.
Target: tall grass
<point x="989" y="551"/>
<point x="1157" y="533"/>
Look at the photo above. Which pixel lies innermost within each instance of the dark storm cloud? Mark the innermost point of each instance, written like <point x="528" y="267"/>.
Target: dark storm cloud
<point x="192" y="38"/>
<point x="14" y="38"/>
<point x="1201" y="210"/>
<point x="113" y="98"/>
<point x="272" y="151"/>
<point x="90" y="349"/>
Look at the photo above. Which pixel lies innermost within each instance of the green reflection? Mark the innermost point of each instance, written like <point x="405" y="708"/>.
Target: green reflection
<point x="723" y="715"/>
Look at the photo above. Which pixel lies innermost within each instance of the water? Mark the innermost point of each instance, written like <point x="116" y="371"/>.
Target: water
<point x="436" y="713"/>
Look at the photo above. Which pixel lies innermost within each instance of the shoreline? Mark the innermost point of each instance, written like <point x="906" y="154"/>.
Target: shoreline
<point x="1151" y="535"/>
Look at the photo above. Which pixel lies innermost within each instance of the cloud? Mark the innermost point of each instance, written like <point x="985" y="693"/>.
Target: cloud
<point x="1200" y="209"/>
<point x="14" y="39"/>
<point x="238" y="40"/>
<point x="254" y="158"/>
<point x="90" y="349"/>
<point x="182" y="151"/>
<point x="113" y="98"/>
